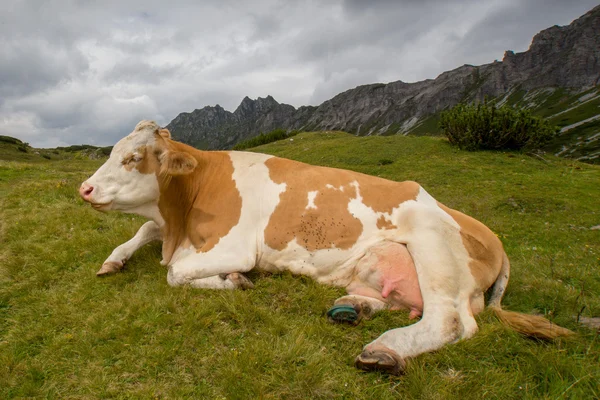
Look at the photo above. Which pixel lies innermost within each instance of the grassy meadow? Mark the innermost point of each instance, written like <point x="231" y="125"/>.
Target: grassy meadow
<point x="66" y="334"/>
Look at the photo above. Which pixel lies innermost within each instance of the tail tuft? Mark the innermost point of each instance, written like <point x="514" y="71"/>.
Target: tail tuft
<point x="530" y="325"/>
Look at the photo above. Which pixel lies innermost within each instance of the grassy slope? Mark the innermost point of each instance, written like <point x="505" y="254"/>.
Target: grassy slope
<point x="66" y="334"/>
<point x="561" y="108"/>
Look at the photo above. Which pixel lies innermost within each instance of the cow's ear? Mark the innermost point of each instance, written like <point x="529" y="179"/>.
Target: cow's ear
<point x="177" y="163"/>
<point x="164" y="133"/>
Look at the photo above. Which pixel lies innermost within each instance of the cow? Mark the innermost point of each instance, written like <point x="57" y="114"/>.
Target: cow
<point x="221" y="214"/>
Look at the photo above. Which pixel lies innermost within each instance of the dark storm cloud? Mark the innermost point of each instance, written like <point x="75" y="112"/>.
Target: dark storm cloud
<point x="87" y="71"/>
<point x="28" y="66"/>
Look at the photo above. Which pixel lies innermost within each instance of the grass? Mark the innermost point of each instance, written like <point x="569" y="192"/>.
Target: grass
<point x="429" y="126"/>
<point x="66" y="334"/>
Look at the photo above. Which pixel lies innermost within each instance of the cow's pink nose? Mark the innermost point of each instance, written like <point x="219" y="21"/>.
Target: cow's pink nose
<point x="86" y="191"/>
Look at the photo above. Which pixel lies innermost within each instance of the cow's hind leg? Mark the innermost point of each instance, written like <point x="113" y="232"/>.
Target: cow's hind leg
<point x="354" y="308"/>
<point x="115" y="262"/>
<point x="446" y="285"/>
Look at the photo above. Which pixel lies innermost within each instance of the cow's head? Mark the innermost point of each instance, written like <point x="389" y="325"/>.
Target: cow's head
<point x="137" y="167"/>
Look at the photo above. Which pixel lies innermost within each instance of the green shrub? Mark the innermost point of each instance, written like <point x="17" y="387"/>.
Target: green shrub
<point x="485" y="127"/>
<point x="11" y="140"/>
<point x="264" y="138"/>
<point x="105" y="151"/>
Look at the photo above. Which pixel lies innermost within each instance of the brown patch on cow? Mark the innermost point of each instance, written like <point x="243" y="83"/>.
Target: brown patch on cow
<point x="149" y="163"/>
<point x="484" y="248"/>
<point x="383" y="196"/>
<point x="200" y="207"/>
<point x="383" y="223"/>
<point x="330" y="224"/>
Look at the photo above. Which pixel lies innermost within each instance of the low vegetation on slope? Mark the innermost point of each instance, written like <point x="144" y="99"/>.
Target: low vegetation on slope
<point x="487" y="127"/>
<point x="13" y="149"/>
<point x="264" y="138"/>
<point x="576" y="113"/>
<point x="66" y="334"/>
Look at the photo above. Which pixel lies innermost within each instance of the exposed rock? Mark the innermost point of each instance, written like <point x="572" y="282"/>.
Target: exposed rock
<point x="216" y="128"/>
<point x="592" y="323"/>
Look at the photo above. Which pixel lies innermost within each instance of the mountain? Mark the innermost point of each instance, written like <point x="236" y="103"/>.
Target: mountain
<point x="216" y="128"/>
<point x="557" y="77"/>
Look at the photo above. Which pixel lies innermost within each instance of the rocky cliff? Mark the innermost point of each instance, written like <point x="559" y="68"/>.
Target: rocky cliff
<point x="565" y="57"/>
<point x="216" y="128"/>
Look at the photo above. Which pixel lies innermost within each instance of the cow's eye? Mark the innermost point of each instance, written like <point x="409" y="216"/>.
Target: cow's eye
<point x="132" y="159"/>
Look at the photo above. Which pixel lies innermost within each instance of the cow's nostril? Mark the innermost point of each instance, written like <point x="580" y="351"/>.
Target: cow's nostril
<point x="86" y="190"/>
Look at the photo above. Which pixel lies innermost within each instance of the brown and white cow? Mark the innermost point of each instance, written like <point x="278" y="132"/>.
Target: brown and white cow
<point x="390" y="244"/>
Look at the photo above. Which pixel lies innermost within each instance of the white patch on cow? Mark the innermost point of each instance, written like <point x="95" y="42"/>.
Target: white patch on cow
<point x="311" y="200"/>
<point x="126" y="190"/>
<point x="330" y="186"/>
<point x="426" y="198"/>
<point x="182" y="252"/>
<point x="150" y="211"/>
<point x="331" y="266"/>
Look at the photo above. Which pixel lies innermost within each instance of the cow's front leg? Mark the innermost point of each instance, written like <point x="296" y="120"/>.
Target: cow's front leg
<point x="223" y="281"/>
<point x="212" y="270"/>
<point x="115" y="262"/>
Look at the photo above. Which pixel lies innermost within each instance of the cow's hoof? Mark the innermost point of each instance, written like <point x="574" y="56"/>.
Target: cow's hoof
<point x="380" y="359"/>
<point x="343" y="313"/>
<point x="110" y="267"/>
<point x="240" y="281"/>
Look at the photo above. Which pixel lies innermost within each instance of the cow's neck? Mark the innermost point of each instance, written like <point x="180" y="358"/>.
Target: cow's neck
<point x="182" y="195"/>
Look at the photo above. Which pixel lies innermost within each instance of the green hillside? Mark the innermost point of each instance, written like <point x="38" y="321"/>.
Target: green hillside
<point x="13" y="149"/>
<point x="66" y="334"/>
<point x="561" y="108"/>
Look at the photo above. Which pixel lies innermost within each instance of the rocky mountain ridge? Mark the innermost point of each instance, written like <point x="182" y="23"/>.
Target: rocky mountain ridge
<point x="563" y="59"/>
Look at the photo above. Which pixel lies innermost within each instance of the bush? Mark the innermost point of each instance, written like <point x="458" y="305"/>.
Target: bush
<point x="485" y="127"/>
<point x="105" y="151"/>
<point x="11" y="140"/>
<point x="264" y="138"/>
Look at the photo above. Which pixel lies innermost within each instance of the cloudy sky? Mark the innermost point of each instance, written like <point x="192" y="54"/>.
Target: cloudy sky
<point x="85" y="71"/>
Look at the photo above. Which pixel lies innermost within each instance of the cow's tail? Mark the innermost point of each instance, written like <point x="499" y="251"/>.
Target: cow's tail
<point x="526" y="324"/>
